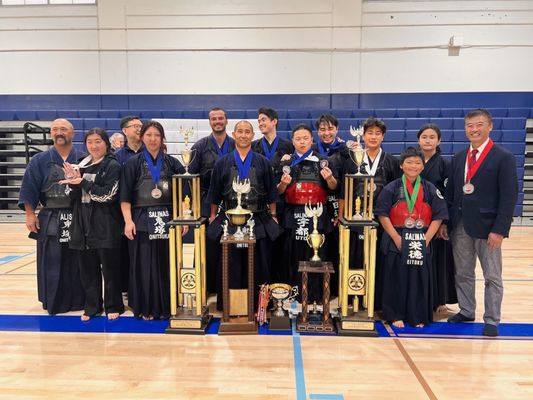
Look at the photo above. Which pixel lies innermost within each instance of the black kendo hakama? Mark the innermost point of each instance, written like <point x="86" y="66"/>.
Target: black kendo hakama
<point x="337" y="154"/>
<point x="307" y="186"/>
<point x="407" y="275"/>
<point x="96" y="234"/>
<point x="207" y="153"/>
<point x="274" y="152"/>
<point x="149" y="283"/>
<point x="58" y="276"/>
<point x="266" y="230"/>
<point x="436" y="172"/>
<point x="386" y="171"/>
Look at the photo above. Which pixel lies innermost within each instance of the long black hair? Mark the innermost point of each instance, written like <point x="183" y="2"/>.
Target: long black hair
<point x="433" y="127"/>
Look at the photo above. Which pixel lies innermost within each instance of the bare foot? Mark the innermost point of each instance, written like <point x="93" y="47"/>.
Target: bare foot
<point x="85" y="318"/>
<point x="398" y="324"/>
<point x="442" y="309"/>
<point x="148" y="317"/>
<point x="113" y="316"/>
<point x="419" y="325"/>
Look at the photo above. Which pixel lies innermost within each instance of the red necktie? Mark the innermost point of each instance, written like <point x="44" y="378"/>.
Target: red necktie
<point x="472" y="159"/>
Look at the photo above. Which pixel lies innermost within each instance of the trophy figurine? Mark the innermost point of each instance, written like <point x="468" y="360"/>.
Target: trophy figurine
<point x="238" y="216"/>
<point x="225" y="230"/>
<point x="358" y="215"/>
<point x="187" y="213"/>
<point x="315" y="240"/>
<point x="250" y="224"/>
<point x="187" y="155"/>
<point x="357" y="153"/>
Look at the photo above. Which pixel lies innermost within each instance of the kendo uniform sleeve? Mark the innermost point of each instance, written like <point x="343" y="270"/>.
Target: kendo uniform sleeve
<point x="128" y="177"/>
<point x="32" y="182"/>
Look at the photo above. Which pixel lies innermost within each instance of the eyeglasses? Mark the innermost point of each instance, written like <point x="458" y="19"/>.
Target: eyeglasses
<point x="136" y="126"/>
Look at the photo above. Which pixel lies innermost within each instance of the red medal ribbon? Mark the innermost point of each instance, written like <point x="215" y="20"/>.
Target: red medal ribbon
<point x="472" y="171"/>
<point x="419" y="198"/>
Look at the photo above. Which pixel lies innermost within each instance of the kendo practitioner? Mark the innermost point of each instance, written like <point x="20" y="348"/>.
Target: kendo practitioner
<point x="58" y="275"/>
<point x="97" y="225"/>
<point x="146" y="203"/>
<point x="307" y="178"/>
<point x="410" y="209"/>
<point x="330" y="145"/>
<point x="131" y="128"/>
<point x="243" y="163"/>
<point x="435" y="171"/>
<point x="207" y="151"/>
<point x="385" y="169"/>
<point x="273" y="147"/>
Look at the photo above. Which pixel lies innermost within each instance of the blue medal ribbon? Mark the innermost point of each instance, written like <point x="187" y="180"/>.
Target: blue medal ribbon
<point x="221" y="151"/>
<point x="243" y="168"/>
<point x="270" y="153"/>
<point x="155" y="170"/>
<point x="324" y="148"/>
<point x="300" y="159"/>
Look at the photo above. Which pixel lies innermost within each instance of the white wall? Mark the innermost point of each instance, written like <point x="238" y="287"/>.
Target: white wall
<point x="279" y="46"/>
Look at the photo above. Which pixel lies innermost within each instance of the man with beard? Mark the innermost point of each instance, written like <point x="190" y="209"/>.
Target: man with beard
<point x="242" y="163"/>
<point x="58" y="276"/>
<point x="208" y="150"/>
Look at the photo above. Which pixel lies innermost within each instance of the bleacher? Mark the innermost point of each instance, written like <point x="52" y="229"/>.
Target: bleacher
<point x="402" y="125"/>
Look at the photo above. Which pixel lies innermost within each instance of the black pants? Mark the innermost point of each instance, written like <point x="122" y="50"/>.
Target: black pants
<point x="94" y="263"/>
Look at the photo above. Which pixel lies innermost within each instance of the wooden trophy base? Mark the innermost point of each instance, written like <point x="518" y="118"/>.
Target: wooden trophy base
<point x="279" y="323"/>
<point x="356" y="324"/>
<point x="315" y="324"/>
<point x="185" y="322"/>
<point x="238" y="326"/>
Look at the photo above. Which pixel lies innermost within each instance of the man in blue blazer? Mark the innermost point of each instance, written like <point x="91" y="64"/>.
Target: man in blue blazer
<point x="481" y="194"/>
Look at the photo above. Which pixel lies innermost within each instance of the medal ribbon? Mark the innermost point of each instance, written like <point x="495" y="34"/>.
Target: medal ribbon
<point x="324" y="148"/>
<point x="300" y="159"/>
<point x="472" y="171"/>
<point x="243" y="168"/>
<point x="270" y="153"/>
<point x="413" y="195"/>
<point x="372" y="171"/>
<point x="221" y="151"/>
<point x="155" y="170"/>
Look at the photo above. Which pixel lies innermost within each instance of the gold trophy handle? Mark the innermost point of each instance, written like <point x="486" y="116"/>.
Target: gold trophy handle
<point x="323" y="239"/>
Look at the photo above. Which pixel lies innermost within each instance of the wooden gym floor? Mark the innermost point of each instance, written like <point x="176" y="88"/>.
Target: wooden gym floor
<point x="44" y="357"/>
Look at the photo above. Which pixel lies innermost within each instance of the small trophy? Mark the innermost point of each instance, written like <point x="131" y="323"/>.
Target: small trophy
<point x="357" y="153"/>
<point x="358" y="215"/>
<point x="225" y="230"/>
<point x="315" y="240"/>
<point x="238" y="216"/>
<point x="187" y="213"/>
<point x="250" y="224"/>
<point x="282" y="292"/>
<point x="187" y="155"/>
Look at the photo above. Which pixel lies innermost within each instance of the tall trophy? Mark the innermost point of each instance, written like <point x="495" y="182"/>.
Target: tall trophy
<point x="280" y="294"/>
<point x="356" y="282"/>
<point x="238" y="317"/>
<point x="315" y="240"/>
<point x="188" y="296"/>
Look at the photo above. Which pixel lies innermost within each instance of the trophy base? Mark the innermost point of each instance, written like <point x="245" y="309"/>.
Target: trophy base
<point x="237" y="326"/>
<point x="358" y="324"/>
<point x="315" y="324"/>
<point x="279" y="323"/>
<point x="185" y="322"/>
<point x="315" y="263"/>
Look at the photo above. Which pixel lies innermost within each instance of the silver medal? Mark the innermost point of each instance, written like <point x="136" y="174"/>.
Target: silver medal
<point x="409" y="223"/>
<point x="468" y="188"/>
<point x="156" y="193"/>
<point x="419" y="223"/>
<point x="286" y="170"/>
<point x="323" y="164"/>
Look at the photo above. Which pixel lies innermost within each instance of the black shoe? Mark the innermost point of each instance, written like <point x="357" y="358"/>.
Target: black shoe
<point x="458" y="318"/>
<point x="490" y="330"/>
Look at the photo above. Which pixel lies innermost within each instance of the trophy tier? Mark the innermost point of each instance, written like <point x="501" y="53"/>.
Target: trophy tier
<point x="187" y="222"/>
<point x="186" y="176"/>
<point x="186" y="322"/>
<point x="360" y="222"/>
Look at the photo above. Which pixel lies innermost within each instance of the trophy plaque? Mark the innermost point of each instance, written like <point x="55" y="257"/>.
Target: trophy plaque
<point x="281" y="293"/>
<point x="238" y="317"/>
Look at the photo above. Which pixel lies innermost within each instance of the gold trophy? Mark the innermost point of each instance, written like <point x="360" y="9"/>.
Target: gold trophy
<point x="281" y="293"/>
<point x="187" y="155"/>
<point x="357" y="153"/>
<point x="315" y="240"/>
<point x="238" y="216"/>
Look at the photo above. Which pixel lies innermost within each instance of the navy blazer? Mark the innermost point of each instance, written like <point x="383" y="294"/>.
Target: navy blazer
<point x="490" y="208"/>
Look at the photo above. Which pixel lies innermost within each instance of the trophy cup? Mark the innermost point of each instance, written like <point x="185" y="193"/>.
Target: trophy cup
<point x="187" y="155"/>
<point x="357" y="153"/>
<point x="238" y="216"/>
<point x="279" y="318"/>
<point x="315" y="240"/>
